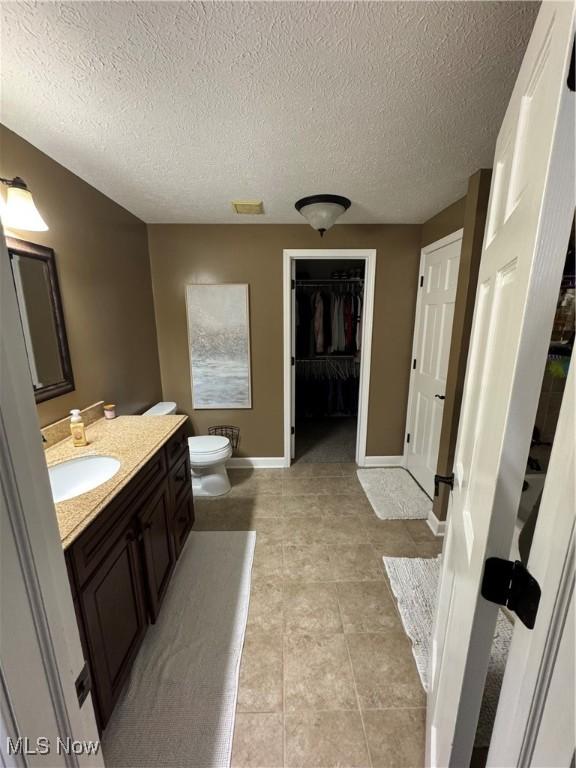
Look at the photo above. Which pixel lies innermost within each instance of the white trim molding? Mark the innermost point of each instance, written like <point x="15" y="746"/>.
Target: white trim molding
<point x="383" y="461"/>
<point x="266" y="462"/>
<point x="368" y="255"/>
<point x="438" y="527"/>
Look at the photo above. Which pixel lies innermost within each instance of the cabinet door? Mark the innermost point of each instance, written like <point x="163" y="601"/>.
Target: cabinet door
<point x="183" y="522"/>
<point x="115" y="618"/>
<point x="155" y="519"/>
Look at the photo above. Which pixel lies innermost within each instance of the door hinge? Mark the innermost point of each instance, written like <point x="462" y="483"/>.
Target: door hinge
<point x="292" y="360"/>
<point x="292" y="430"/>
<point x="292" y="284"/>
<point x="408" y="437"/>
<point x="83" y="684"/>
<point x="414" y="364"/>
<point x="507" y="582"/>
<point x="446" y="479"/>
<point x="421" y="281"/>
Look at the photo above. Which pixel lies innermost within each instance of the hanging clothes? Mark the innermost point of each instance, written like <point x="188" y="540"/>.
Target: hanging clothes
<point x="318" y="323"/>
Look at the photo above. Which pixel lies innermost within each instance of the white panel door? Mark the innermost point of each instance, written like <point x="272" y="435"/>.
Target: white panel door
<point x="439" y="265"/>
<point x="528" y="225"/>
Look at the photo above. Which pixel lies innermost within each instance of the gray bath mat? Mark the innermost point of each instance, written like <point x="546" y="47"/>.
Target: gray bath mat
<point x="179" y="706"/>
<point x="414" y="582"/>
<point x="394" y="494"/>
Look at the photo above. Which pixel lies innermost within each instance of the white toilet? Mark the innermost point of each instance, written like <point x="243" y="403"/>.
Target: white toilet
<point x="208" y="456"/>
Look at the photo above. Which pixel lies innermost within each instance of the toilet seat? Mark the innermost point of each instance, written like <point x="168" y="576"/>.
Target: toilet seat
<point x="208" y="449"/>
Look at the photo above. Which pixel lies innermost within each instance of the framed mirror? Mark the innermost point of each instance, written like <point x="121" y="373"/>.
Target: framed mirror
<point x="38" y="294"/>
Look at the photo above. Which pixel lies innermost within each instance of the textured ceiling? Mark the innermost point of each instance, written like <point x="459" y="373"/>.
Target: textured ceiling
<point x="173" y="109"/>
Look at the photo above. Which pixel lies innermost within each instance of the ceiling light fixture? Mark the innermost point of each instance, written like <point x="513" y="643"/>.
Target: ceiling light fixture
<point x="321" y="211"/>
<point x="19" y="211"/>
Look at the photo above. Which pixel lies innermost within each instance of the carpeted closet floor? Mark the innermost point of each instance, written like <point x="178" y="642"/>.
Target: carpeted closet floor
<point x="327" y="676"/>
<point x="326" y="440"/>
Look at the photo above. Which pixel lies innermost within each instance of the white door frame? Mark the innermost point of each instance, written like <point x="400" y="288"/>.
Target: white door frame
<point x="444" y="241"/>
<point x="40" y="653"/>
<point x="368" y="255"/>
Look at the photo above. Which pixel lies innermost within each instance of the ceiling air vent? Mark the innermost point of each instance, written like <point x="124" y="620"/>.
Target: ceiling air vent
<point x="252" y="207"/>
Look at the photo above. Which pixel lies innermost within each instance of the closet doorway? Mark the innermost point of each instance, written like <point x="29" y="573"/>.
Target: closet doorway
<point x="328" y="308"/>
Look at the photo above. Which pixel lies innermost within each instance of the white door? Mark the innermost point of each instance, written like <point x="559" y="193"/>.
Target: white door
<point x="535" y="722"/>
<point x="40" y="653"/>
<point x="293" y="359"/>
<point x="528" y="225"/>
<point x="438" y="278"/>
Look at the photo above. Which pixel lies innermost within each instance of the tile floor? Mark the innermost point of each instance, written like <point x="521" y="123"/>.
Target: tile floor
<point x="327" y="676"/>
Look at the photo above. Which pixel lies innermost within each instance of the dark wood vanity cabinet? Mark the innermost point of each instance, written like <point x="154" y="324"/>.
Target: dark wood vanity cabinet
<point x="120" y="567"/>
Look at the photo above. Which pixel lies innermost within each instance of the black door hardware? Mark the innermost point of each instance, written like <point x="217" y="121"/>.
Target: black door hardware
<point x="508" y="583"/>
<point x="83" y="684"/>
<point x="440" y="397"/>
<point x="446" y="479"/>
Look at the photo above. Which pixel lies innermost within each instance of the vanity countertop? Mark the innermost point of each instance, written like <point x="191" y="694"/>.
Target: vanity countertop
<point x="132" y="440"/>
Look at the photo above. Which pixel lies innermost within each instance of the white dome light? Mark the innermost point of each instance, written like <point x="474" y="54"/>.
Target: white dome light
<point x="322" y="211"/>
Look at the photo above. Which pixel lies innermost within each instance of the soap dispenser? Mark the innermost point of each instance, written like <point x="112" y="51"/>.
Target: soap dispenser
<point x="77" y="429"/>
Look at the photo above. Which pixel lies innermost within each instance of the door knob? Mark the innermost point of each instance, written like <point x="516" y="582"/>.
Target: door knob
<point x="440" y="397"/>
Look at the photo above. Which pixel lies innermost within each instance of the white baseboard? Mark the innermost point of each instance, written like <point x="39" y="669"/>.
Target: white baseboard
<point x="271" y="462"/>
<point x="437" y="527"/>
<point x="383" y="461"/>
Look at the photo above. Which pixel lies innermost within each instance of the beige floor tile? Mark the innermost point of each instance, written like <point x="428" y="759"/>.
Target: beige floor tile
<point x="307" y="563"/>
<point x="268" y="563"/>
<point x="269" y="530"/>
<point x="256" y="507"/>
<point x="261" y="674"/>
<point x="430" y="548"/>
<point x="255" y="486"/>
<point x="420" y="531"/>
<point x="344" y="505"/>
<point x="303" y="506"/>
<point x="239" y="475"/>
<point x="367" y="607"/>
<point x="396" y="737"/>
<point x="317" y="673"/>
<point x="344" y="530"/>
<point x="266" y="612"/>
<point x="356" y="562"/>
<point x="311" y="609"/>
<point x="325" y="740"/>
<point x="395" y="548"/>
<point x="258" y="741"/>
<point x="384" y="670"/>
<point x="385" y="531"/>
<point x="349" y="468"/>
<point x="331" y="486"/>
<point x="304" y="531"/>
<point x="302" y="469"/>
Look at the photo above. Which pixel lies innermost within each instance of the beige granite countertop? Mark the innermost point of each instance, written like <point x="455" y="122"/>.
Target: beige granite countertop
<point x="130" y="439"/>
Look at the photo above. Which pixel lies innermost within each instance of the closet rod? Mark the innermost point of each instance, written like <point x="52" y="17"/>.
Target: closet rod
<point x="304" y="281"/>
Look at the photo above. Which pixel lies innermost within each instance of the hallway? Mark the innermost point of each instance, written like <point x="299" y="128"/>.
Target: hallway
<point x="327" y="677"/>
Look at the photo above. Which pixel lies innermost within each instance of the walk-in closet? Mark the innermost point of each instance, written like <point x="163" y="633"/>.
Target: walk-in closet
<point x="329" y="300"/>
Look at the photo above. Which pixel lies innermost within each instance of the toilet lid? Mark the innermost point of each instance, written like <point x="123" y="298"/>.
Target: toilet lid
<point x="207" y="443"/>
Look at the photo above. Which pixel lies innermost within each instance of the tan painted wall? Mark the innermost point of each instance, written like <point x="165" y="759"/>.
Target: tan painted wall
<point x="246" y="253"/>
<point x="476" y="207"/>
<point x="449" y="220"/>
<point x="104" y="274"/>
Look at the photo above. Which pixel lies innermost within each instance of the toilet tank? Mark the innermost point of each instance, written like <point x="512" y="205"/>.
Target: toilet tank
<point x="161" y="409"/>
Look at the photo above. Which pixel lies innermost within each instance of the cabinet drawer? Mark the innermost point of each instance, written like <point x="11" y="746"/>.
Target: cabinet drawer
<point x="94" y="543"/>
<point x="176" y="446"/>
<point x="180" y="479"/>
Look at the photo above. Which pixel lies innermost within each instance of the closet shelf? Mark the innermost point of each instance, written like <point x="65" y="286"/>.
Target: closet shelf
<point x="325" y="357"/>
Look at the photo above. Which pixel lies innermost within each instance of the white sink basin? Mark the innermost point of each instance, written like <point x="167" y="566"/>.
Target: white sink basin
<point x="77" y="476"/>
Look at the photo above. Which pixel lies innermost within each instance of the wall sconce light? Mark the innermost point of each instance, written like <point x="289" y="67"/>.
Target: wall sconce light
<point x="19" y="211"/>
<point x="321" y="211"/>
